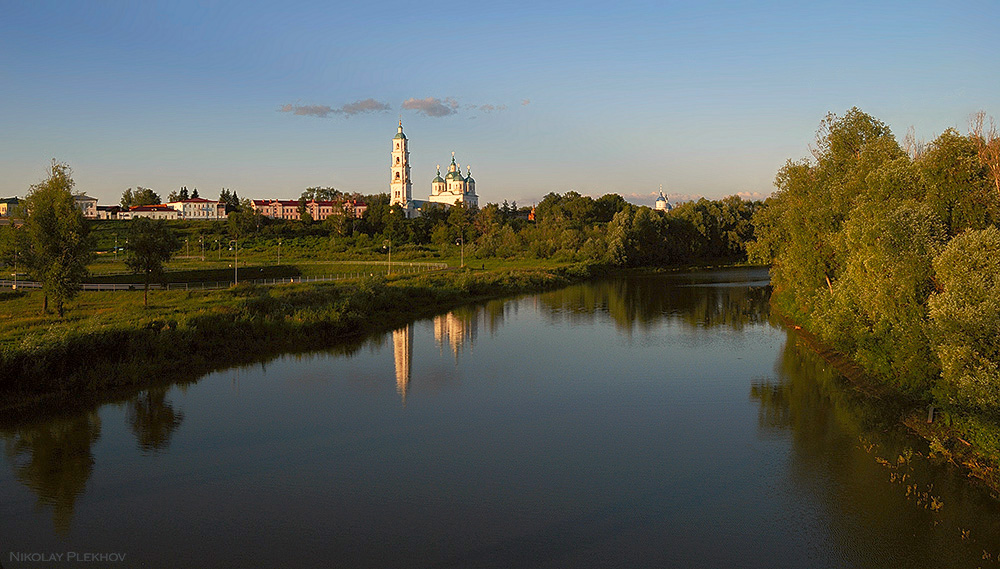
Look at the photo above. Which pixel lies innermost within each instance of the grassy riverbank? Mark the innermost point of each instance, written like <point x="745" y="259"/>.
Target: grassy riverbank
<point x="108" y="342"/>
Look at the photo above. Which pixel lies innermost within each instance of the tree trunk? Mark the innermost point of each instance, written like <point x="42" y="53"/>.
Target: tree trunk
<point x="45" y="304"/>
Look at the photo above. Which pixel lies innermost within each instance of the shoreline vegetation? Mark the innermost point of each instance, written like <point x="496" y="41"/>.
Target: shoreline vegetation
<point x="918" y="416"/>
<point x="185" y="334"/>
<point x="889" y="256"/>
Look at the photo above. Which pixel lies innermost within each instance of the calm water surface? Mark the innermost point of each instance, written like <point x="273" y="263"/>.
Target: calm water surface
<point x="641" y="422"/>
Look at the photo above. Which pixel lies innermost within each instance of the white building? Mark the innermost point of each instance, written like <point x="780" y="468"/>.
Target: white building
<point x="108" y="211"/>
<point x="453" y="188"/>
<point x="450" y="190"/>
<point x="86" y="204"/>
<point x="158" y="211"/>
<point x="661" y="203"/>
<point x="199" y="208"/>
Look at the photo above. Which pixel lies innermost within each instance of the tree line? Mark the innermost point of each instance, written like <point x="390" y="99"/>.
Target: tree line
<point x="565" y="227"/>
<point x="891" y="254"/>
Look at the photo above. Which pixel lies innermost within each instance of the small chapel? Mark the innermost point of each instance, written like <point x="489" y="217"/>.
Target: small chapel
<point x="453" y="189"/>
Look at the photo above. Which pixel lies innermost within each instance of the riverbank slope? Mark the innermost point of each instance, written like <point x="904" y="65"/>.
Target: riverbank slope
<point x="109" y="343"/>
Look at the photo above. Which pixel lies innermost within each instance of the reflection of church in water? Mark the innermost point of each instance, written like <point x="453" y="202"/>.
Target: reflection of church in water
<point x="452" y="329"/>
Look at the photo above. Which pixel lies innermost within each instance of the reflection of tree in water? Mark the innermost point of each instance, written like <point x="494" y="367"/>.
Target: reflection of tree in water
<point x="53" y="458"/>
<point x="838" y="436"/>
<point x="645" y="302"/>
<point x="153" y="419"/>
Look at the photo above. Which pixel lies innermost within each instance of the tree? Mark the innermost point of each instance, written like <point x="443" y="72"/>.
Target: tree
<point x="244" y="220"/>
<point x="965" y="319"/>
<point x="231" y="200"/>
<point x="194" y="194"/>
<point x="606" y="206"/>
<point x="141" y="196"/>
<point x="179" y="195"/>
<point x="304" y="214"/>
<point x="987" y="145"/>
<point x="150" y="245"/>
<point x="329" y="194"/>
<point x="877" y="308"/>
<point x="12" y="246"/>
<point x="956" y="184"/>
<point x="57" y="237"/>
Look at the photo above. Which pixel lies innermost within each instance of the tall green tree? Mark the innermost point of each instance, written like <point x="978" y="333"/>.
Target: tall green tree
<point x="57" y="237"/>
<point x="965" y="320"/>
<point x="321" y="194"/>
<point x="150" y="244"/>
<point x="245" y="220"/>
<point x="231" y="200"/>
<point x="141" y="196"/>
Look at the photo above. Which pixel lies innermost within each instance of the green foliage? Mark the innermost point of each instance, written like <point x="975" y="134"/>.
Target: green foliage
<point x="244" y="221"/>
<point x="876" y="310"/>
<point x="321" y="194"/>
<point x="141" y="196"/>
<point x="231" y="199"/>
<point x="150" y="244"/>
<point x="965" y="318"/>
<point x="957" y="184"/>
<point x="859" y="240"/>
<point x="56" y="237"/>
<point x="181" y="194"/>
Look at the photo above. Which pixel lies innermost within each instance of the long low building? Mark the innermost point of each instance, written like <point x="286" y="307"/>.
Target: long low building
<point x="200" y="208"/>
<point x="158" y="211"/>
<point x="318" y="209"/>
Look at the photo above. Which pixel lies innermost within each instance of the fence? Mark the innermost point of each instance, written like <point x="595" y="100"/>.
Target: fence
<point x="396" y="268"/>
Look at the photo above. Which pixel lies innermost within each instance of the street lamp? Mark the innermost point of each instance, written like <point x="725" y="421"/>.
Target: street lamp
<point x="236" y="260"/>
<point x="388" y="243"/>
<point x="219" y="247"/>
<point x="116" y="247"/>
<point x="461" y="240"/>
<point x="279" y="251"/>
<point x="187" y="248"/>
<point x="201" y="240"/>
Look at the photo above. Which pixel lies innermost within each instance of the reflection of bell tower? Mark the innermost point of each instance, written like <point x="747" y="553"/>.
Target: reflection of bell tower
<point x="400" y="189"/>
<point x="402" y="343"/>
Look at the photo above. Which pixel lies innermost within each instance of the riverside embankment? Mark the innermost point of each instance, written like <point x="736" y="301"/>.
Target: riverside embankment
<point x="102" y="348"/>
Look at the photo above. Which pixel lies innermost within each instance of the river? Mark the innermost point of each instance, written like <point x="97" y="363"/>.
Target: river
<point x="653" y="421"/>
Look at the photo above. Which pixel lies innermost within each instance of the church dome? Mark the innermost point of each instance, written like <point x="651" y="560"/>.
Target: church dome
<point x="661" y="203"/>
<point x="437" y="179"/>
<point x="454" y="176"/>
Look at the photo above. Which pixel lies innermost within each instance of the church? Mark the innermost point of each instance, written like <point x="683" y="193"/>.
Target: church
<point x="448" y="191"/>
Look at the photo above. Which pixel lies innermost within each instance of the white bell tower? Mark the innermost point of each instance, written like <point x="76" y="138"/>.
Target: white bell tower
<point x="400" y="188"/>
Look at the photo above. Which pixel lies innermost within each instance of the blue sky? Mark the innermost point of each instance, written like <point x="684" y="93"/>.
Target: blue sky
<point x="707" y="98"/>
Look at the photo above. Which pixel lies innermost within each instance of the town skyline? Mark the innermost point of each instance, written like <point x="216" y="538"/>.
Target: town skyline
<point x="267" y="101"/>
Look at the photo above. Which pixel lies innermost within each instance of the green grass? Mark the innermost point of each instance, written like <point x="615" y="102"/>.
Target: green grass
<point x="108" y="341"/>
